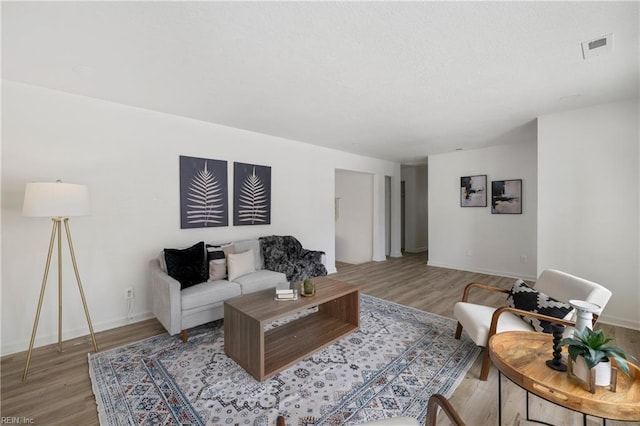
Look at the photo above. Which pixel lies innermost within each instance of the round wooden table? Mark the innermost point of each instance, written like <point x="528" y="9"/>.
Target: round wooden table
<point x="521" y="356"/>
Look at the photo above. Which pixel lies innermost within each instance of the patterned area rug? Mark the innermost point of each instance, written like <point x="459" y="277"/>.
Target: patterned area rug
<point x="389" y="367"/>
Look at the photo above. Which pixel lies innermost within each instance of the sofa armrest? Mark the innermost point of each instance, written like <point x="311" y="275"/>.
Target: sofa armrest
<point x="166" y="301"/>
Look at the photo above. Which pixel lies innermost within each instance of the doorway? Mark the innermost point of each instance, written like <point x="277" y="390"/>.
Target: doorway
<point x="354" y="216"/>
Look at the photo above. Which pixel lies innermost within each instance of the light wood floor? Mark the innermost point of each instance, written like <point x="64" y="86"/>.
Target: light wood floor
<point x="58" y="391"/>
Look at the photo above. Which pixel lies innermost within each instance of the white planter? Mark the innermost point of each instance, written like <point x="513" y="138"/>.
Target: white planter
<point x="602" y="369"/>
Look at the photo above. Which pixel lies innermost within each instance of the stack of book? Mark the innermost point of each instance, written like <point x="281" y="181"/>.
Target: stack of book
<point x="286" y="294"/>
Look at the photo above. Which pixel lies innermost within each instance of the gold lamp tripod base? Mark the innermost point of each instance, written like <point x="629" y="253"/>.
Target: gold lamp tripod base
<point x="57" y="231"/>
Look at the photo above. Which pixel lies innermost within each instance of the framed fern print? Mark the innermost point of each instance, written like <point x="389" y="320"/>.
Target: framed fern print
<point x="204" y="200"/>
<point x="251" y="194"/>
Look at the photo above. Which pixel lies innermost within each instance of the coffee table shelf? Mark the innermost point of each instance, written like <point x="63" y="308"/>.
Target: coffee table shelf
<point x="289" y="343"/>
<point x="264" y="353"/>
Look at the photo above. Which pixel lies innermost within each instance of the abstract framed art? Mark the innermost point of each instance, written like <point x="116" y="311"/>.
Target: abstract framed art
<point x="473" y="191"/>
<point x="251" y="194"/>
<point x="203" y="193"/>
<point x="506" y="196"/>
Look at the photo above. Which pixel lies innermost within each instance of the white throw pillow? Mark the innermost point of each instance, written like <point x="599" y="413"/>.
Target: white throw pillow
<point x="239" y="264"/>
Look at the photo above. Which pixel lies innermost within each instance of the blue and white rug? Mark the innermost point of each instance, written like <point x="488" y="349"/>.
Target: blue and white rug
<point x="389" y="367"/>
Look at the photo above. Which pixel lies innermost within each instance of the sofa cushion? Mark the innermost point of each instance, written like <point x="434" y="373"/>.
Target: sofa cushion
<point x="188" y="265"/>
<point x="207" y="293"/>
<point x="260" y="280"/>
<point x="240" y="264"/>
<point x="162" y="262"/>
<point x="253" y="245"/>
<point x="521" y="296"/>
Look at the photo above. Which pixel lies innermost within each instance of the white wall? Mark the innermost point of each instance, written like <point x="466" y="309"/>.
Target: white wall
<point x="471" y="238"/>
<point x="415" y="179"/>
<point x="129" y="159"/>
<point x="588" y="216"/>
<point x="354" y="223"/>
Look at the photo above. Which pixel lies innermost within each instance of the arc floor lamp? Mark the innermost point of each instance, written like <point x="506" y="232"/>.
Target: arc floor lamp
<point x="59" y="201"/>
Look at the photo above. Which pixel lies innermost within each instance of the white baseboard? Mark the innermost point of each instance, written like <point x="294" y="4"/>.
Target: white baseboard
<point x="23" y="344"/>
<point x="483" y="271"/>
<point x="355" y="261"/>
<point x="416" y="250"/>
<point x="618" y="322"/>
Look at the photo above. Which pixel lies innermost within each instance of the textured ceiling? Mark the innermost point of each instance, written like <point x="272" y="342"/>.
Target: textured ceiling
<point x="397" y="81"/>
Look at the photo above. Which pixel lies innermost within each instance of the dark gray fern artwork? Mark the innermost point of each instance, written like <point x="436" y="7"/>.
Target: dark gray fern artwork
<point x="251" y="195"/>
<point x="203" y="193"/>
<point x="253" y="200"/>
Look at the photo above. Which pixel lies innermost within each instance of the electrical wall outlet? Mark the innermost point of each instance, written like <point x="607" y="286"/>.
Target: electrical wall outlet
<point x="523" y="259"/>
<point x="128" y="293"/>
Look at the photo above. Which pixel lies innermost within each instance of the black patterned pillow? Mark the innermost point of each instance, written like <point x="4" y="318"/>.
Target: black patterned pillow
<point x="214" y="252"/>
<point x="188" y="266"/>
<point x="521" y="296"/>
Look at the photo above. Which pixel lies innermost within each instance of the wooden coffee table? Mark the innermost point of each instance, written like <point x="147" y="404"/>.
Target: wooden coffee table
<point x="264" y="353"/>
<point x="521" y="356"/>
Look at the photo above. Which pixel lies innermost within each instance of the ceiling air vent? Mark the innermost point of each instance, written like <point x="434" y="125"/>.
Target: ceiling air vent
<point x="597" y="47"/>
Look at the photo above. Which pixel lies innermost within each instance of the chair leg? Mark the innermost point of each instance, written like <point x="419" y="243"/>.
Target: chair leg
<point x="486" y="365"/>
<point x="458" y="331"/>
<point x="185" y="336"/>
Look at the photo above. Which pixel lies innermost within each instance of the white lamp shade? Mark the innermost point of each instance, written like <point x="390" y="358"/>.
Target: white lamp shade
<point x="55" y="199"/>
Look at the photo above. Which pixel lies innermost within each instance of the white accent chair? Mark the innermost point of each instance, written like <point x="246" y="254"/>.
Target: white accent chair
<point x="481" y="322"/>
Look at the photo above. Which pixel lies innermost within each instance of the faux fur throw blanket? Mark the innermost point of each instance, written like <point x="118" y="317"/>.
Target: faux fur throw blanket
<point x="285" y="254"/>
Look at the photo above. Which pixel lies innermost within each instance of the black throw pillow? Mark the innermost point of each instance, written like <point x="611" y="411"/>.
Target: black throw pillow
<point x="526" y="298"/>
<point x="188" y="266"/>
<point x="215" y="253"/>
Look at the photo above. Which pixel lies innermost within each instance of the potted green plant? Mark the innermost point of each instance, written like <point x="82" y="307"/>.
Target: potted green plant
<point x="307" y="288"/>
<point x="588" y="349"/>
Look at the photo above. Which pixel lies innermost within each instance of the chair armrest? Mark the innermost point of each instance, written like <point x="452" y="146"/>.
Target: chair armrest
<point x="467" y="289"/>
<point x="496" y="315"/>
<point x="166" y="301"/>
<point x="432" y="409"/>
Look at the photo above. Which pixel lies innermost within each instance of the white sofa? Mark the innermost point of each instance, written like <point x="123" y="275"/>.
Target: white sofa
<point x="178" y="310"/>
